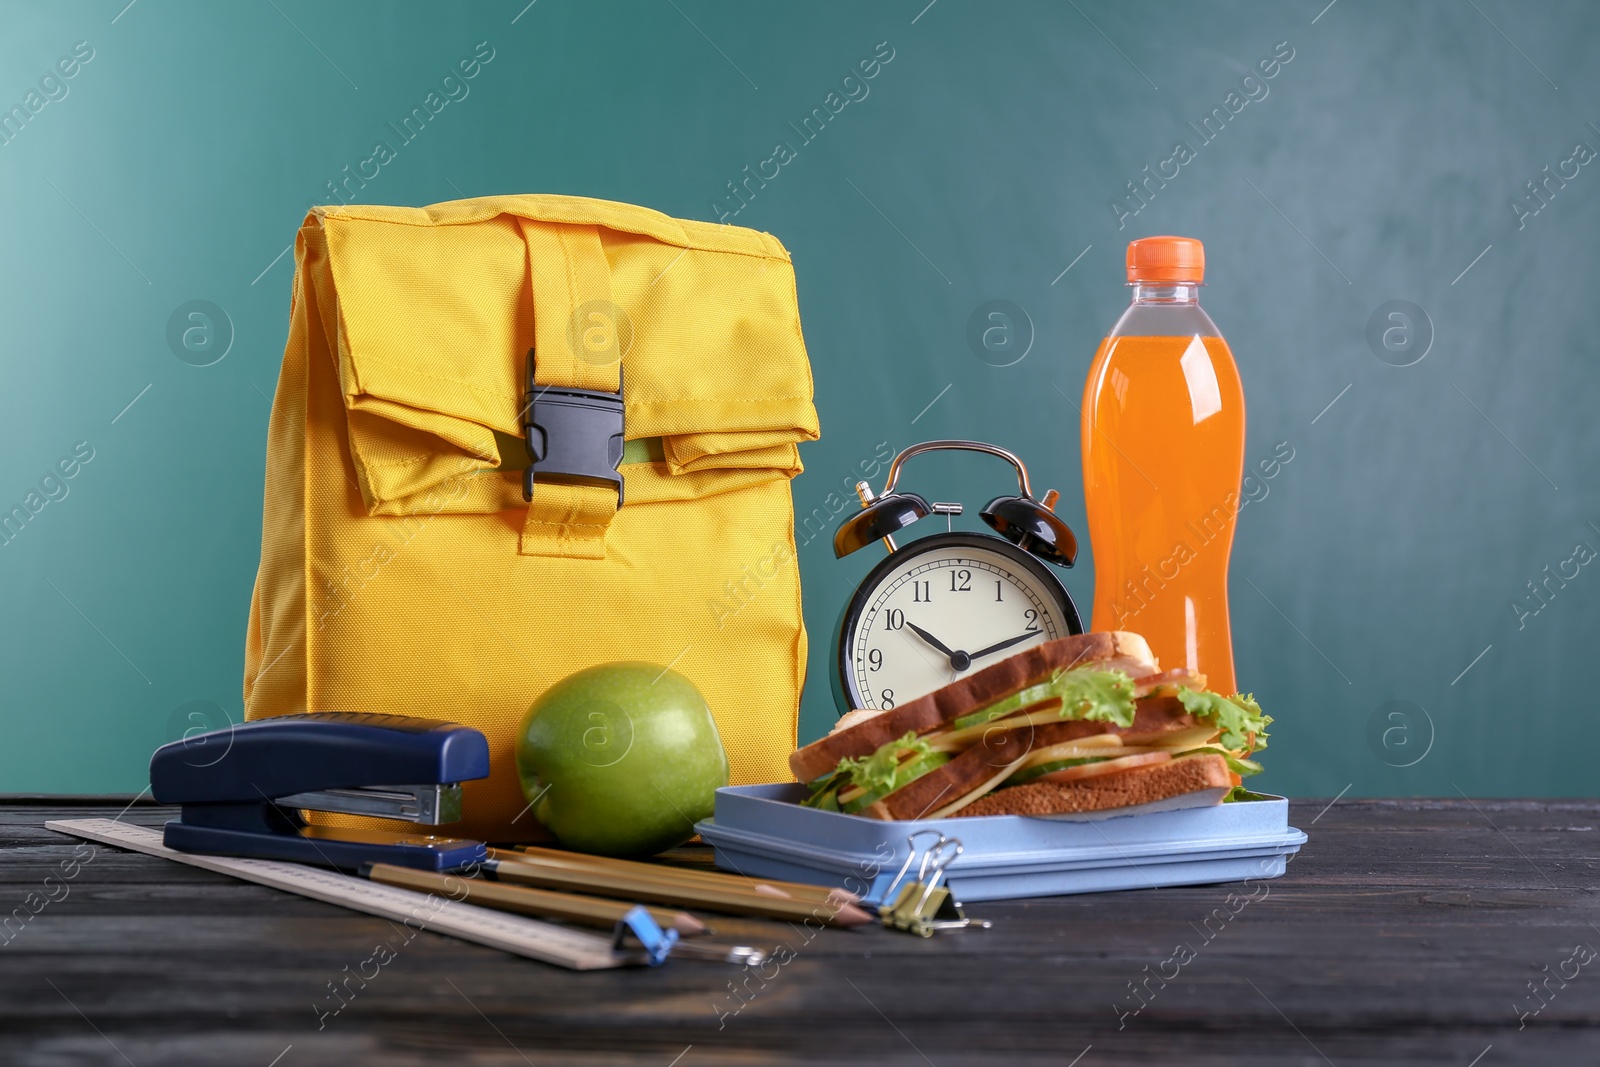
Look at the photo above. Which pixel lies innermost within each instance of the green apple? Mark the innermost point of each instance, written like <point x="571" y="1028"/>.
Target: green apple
<point x="621" y="759"/>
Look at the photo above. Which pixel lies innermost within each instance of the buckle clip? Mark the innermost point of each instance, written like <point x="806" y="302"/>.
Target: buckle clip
<point x="573" y="433"/>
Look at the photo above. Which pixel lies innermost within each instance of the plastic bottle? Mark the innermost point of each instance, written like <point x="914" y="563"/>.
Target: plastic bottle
<point x="1163" y="453"/>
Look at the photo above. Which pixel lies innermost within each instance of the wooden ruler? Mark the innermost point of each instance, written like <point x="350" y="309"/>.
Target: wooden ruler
<point x="576" y="949"/>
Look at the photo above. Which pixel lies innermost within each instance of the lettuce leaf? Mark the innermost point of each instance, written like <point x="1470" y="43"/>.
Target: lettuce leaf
<point x="876" y="775"/>
<point x="824" y="800"/>
<point x="1236" y="716"/>
<point x="877" y="772"/>
<point x="904" y="775"/>
<point x="825" y="792"/>
<point x="1085" y="693"/>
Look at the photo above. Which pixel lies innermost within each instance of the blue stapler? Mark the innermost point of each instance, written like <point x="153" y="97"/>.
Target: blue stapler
<point x="247" y="800"/>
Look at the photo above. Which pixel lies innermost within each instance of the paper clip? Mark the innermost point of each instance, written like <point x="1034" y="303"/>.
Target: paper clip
<point x="657" y="942"/>
<point x="925" y="906"/>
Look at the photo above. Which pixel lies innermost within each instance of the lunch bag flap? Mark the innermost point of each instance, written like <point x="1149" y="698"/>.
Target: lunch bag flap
<point x="441" y="309"/>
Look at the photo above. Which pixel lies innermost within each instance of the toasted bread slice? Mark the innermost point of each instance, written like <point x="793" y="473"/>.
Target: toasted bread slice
<point x="1111" y="649"/>
<point x="998" y="748"/>
<point x="946" y="784"/>
<point x="1123" y="790"/>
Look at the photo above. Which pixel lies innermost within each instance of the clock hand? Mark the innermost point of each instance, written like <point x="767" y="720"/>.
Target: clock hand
<point x="930" y="656"/>
<point x="1003" y="644"/>
<point x="959" y="661"/>
<point x="926" y="636"/>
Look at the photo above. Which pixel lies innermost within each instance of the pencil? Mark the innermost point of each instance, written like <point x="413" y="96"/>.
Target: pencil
<point x="820" y="896"/>
<point x="587" y="911"/>
<point x="831" y="912"/>
<point x="692" y="856"/>
<point x="768" y="886"/>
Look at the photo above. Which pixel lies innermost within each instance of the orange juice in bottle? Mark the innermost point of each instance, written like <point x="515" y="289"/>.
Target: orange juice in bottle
<point x="1163" y="453"/>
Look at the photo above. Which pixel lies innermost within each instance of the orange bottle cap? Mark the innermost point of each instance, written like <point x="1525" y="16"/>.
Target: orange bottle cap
<point x="1166" y="260"/>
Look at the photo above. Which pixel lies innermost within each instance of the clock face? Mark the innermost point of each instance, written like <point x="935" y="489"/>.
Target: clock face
<point x="942" y="607"/>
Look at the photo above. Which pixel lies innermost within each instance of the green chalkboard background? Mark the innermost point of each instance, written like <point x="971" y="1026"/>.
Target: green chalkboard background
<point x="1376" y="577"/>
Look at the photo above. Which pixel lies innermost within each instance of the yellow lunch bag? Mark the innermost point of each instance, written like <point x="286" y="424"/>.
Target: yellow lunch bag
<point x="657" y="367"/>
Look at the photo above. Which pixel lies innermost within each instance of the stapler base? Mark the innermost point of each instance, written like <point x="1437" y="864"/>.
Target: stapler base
<point x="345" y="848"/>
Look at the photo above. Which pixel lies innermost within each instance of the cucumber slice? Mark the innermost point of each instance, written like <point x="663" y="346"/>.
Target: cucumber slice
<point x="1028" y="774"/>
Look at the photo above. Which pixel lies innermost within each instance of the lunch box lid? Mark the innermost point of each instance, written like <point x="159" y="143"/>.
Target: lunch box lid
<point x="767" y="822"/>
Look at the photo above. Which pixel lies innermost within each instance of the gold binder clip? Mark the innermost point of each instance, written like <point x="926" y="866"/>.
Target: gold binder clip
<point x="926" y="905"/>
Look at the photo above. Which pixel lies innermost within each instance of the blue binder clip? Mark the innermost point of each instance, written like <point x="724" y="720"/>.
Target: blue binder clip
<point x="247" y="800"/>
<point x="658" y="943"/>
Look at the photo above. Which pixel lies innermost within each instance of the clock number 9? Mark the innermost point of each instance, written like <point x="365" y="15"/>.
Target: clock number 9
<point x="964" y="578"/>
<point x="875" y="659"/>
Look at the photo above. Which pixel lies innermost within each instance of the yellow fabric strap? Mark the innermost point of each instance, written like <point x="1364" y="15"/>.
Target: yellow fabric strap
<point x="571" y="283"/>
<point x="568" y="520"/>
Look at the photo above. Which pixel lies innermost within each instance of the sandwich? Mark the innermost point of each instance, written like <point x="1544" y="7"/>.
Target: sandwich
<point x="1086" y="723"/>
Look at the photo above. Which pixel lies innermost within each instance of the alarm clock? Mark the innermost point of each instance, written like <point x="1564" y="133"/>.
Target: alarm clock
<point x="944" y="605"/>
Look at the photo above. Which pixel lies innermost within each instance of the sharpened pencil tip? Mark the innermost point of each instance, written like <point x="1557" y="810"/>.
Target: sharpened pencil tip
<point x="850" y="915"/>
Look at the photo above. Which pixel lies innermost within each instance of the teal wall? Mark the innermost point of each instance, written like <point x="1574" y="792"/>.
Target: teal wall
<point x="1382" y="562"/>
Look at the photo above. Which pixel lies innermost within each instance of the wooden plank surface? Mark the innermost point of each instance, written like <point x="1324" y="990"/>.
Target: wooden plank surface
<point x="1406" y="932"/>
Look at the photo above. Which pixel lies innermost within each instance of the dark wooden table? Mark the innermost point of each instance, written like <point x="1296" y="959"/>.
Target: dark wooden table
<point x="1407" y="931"/>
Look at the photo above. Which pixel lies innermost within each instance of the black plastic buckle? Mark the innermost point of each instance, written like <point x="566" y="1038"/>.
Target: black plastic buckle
<point x="574" y="433"/>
